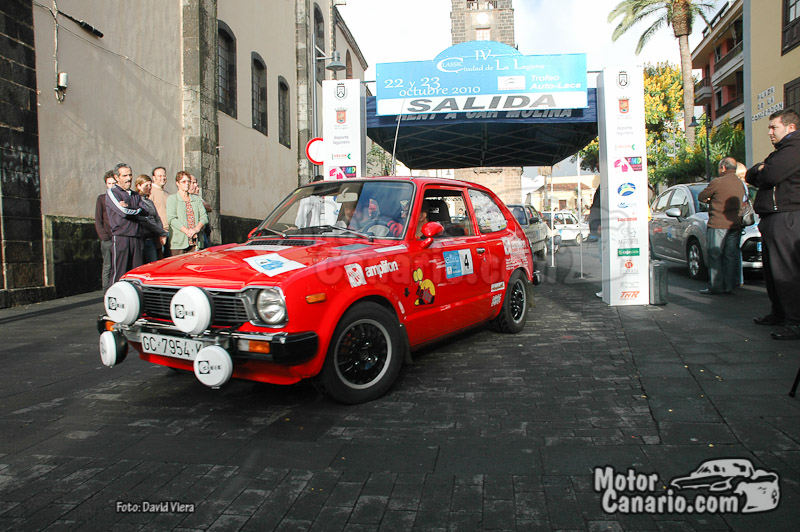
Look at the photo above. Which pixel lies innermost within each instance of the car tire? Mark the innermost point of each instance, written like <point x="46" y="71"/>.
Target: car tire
<point x="694" y="261"/>
<point x="364" y="356"/>
<point x="579" y="239"/>
<point x="514" y="312"/>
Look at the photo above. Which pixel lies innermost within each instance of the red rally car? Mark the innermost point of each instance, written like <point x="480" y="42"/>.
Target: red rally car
<point x="340" y="283"/>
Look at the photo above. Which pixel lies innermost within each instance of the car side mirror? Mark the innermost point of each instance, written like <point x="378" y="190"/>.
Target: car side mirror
<point x="429" y="231"/>
<point x="674" y="212"/>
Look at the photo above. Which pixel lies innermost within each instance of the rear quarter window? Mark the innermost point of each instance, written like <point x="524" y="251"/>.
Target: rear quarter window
<point x="489" y="215"/>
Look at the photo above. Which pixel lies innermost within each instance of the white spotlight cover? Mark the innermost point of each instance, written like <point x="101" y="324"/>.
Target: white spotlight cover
<point x="122" y="303"/>
<point x="213" y="366"/>
<point x="190" y="310"/>
<point x="112" y="349"/>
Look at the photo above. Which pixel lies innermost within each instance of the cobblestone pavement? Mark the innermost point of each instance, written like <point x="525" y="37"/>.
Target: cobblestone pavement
<point x="482" y="432"/>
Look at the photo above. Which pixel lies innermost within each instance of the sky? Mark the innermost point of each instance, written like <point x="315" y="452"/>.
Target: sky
<point x="390" y="31"/>
<point x="416" y="30"/>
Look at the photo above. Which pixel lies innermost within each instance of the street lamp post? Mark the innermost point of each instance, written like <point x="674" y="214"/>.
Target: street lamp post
<point x="335" y="65"/>
<point x="695" y="123"/>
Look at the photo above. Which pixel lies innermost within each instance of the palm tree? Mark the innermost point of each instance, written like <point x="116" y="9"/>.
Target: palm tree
<point x="676" y="13"/>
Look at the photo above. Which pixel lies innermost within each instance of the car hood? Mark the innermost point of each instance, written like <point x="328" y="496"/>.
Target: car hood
<point x="236" y="266"/>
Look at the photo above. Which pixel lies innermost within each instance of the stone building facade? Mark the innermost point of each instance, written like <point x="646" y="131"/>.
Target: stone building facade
<point x="144" y="87"/>
<point x="21" y="252"/>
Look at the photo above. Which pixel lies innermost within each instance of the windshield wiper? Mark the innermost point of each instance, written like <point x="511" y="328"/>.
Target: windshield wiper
<point x="264" y="229"/>
<point x="348" y="230"/>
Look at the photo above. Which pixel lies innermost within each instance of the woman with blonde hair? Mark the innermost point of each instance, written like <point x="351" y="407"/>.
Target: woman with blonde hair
<point x="186" y="217"/>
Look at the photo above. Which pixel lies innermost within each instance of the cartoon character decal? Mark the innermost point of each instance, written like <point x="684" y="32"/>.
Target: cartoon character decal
<point x="426" y="290"/>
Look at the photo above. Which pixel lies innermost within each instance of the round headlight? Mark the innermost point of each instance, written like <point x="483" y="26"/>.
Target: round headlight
<point x="271" y="306"/>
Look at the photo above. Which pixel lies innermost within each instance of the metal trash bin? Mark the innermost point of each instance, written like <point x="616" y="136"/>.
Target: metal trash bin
<point x="659" y="288"/>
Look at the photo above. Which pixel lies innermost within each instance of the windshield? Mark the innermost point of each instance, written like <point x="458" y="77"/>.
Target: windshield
<point x="343" y="208"/>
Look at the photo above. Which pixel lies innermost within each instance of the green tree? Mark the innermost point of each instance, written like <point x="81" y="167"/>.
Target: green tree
<point x="379" y="162"/>
<point x="689" y="163"/>
<point x="670" y="160"/>
<point x="663" y="94"/>
<point x="679" y="14"/>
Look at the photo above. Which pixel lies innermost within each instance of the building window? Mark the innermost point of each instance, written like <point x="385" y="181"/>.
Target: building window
<point x="259" y="74"/>
<point x="791" y="95"/>
<point x="284" y="116"/>
<point x="348" y="63"/>
<point x="483" y="34"/>
<point x="227" y="70"/>
<point x="472" y="4"/>
<point x="791" y="25"/>
<point x="319" y="39"/>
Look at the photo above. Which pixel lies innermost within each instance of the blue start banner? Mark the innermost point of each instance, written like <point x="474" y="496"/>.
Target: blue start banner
<point x="482" y="76"/>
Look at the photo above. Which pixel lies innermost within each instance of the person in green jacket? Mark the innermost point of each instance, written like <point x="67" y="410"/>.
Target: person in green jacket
<point x="186" y="216"/>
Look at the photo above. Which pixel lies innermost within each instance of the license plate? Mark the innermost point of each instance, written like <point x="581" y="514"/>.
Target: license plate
<point x="170" y="346"/>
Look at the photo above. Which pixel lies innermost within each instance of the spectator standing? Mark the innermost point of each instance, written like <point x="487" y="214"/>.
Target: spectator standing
<point x="724" y="198"/>
<point x="103" y="229"/>
<point x="122" y="208"/>
<point x="158" y="195"/>
<point x="153" y="234"/>
<point x="778" y="204"/>
<point x="741" y="170"/>
<point x="186" y="216"/>
<point x="195" y="189"/>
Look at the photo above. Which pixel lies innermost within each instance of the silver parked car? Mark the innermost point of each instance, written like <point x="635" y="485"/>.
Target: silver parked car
<point x="677" y="230"/>
<point x="535" y="229"/>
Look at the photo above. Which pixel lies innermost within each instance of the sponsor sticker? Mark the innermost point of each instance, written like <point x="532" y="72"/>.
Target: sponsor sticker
<point x="626" y="189"/>
<point x="635" y="163"/>
<point x="496" y="299"/>
<point x="379" y="269"/>
<point x="458" y="263"/>
<point x="398" y="248"/>
<point x="628" y="252"/>
<point x="272" y="264"/>
<point x="498" y="286"/>
<point x="355" y="275"/>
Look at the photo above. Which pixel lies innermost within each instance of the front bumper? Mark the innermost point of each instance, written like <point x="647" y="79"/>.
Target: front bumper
<point x="290" y="349"/>
<point x="751" y="253"/>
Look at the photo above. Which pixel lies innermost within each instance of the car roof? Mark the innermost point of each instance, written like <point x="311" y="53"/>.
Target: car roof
<point x="414" y="179"/>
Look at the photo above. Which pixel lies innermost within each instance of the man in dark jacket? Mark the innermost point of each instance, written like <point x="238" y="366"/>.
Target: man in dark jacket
<point x="778" y="204"/>
<point x="724" y="196"/>
<point x="122" y="207"/>
<point x="103" y="229"/>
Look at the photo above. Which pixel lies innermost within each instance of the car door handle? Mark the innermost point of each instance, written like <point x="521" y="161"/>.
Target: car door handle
<point x="481" y="251"/>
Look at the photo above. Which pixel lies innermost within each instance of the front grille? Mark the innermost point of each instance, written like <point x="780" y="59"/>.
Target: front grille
<point x="229" y="308"/>
<point x="750" y="252"/>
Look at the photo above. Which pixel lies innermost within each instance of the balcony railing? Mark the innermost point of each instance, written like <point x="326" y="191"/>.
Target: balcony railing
<point x="736" y="102"/>
<point x="725" y="59"/>
<point x="702" y="82"/>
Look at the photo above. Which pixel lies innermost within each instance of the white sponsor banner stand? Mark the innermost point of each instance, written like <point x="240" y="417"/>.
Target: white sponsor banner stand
<point x="344" y="125"/>
<point x="623" y="167"/>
